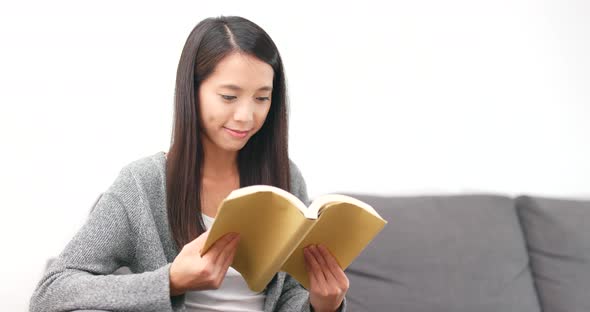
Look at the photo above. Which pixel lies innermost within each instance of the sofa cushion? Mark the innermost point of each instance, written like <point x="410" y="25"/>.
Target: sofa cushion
<point x="459" y="253"/>
<point x="557" y="233"/>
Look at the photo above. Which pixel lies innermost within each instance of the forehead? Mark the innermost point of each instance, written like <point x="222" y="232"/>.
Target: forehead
<point x="242" y="70"/>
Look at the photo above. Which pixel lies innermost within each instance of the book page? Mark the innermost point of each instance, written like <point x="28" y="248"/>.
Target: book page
<point x="272" y="189"/>
<point x="325" y="200"/>
<point x="268" y="224"/>
<point x="345" y="229"/>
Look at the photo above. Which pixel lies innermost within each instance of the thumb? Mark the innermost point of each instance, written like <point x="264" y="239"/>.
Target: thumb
<point x="199" y="241"/>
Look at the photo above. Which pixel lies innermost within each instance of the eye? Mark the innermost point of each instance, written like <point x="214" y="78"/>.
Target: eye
<point x="228" y="97"/>
<point x="263" y="98"/>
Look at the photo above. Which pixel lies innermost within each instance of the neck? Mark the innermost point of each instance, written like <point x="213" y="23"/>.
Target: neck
<point x="218" y="163"/>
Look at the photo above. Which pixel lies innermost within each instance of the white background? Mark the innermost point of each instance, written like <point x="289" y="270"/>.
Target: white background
<point x="387" y="97"/>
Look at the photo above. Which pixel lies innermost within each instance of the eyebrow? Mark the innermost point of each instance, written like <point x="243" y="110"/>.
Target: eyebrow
<point x="236" y="88"/>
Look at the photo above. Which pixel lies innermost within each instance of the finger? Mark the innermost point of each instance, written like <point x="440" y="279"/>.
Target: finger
<point x="219" y="245"/>
<point x="333" y="265"/>
<point x="199" y="241"/>
<point x="330" y="279"/>
<point x="228" y="254"/>
<point x="316" y="270"/>
<point x="313" y="283"/>
<point x="227" y="251"/>
<point x="224" y="260"/>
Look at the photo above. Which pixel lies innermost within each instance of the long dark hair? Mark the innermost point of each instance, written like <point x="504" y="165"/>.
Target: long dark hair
<point x="263" y="160"/>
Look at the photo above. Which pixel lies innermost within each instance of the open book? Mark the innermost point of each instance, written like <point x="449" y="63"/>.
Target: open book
<point x="275" y="226"/>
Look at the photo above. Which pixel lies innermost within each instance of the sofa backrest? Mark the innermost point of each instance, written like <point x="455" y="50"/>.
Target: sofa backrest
<point x="557" y="232"/>
<point x="460" y="253"/>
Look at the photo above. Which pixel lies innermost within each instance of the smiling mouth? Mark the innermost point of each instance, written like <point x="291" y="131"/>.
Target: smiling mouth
<point x="237" y="133"/>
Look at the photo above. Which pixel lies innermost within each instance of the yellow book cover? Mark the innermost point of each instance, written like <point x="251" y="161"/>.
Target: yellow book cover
<point x="275" y="226"/>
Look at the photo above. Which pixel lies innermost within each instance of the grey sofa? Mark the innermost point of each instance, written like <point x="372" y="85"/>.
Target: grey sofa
<point x="474" y="253"/>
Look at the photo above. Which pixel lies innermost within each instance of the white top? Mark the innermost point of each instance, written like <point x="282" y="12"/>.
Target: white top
<point x="232" y="296"/>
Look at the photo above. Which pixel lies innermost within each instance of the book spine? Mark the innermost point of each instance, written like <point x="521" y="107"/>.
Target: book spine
<point x="290" y="248"/>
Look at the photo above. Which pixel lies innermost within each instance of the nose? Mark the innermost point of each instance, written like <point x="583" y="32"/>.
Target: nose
<point x="244" y="112"/>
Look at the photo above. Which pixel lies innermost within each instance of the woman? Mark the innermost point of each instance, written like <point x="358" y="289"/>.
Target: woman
<point x="230" y="131"/>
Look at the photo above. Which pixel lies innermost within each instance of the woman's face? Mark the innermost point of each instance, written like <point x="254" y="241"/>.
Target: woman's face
<point x="234" y="101"/>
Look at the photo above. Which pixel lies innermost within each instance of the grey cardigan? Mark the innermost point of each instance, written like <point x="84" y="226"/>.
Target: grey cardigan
<point x="129" y="227"/>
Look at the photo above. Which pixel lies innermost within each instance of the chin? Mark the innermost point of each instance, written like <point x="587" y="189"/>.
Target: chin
<point x="233" y="147"/>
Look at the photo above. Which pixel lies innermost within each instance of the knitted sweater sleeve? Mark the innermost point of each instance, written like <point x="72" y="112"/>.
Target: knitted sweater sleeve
<point x="81" y="277"/>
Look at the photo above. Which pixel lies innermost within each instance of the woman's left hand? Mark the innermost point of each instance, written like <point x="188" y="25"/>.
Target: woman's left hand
<point x="328" y="283"/>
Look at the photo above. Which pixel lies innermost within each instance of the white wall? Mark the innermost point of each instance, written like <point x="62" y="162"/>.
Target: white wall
<point x="410" y="97"/>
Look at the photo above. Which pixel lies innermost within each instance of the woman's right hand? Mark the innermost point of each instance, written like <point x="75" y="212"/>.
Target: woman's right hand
<point x="190" y="271"/>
